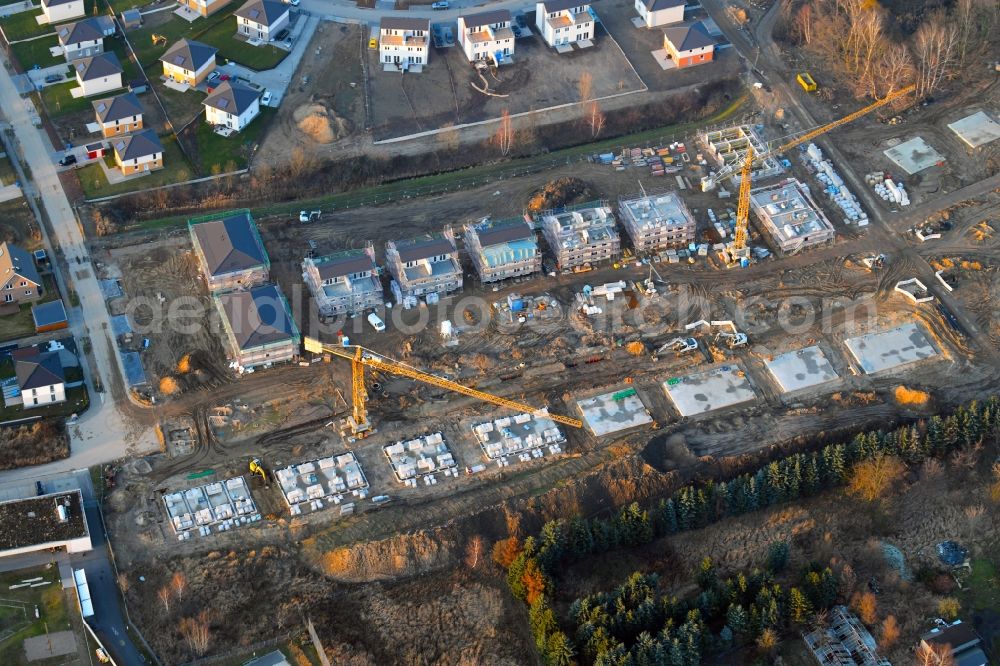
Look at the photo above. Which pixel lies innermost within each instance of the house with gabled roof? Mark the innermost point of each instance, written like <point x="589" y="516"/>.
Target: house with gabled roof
<point x="57" y="11"/>
<point x="204" y="7"/>
<point x="258" y="325"/>
<point x="345" y="282"/>
<point x="655" y="13"/>
<point x="564" y="22"/>
<point x="688" y="45"/>
<point x="230" y="251"/>
<point x="118" y="115"/>
<point x="403" y="42"/>
<point x="138" y="153"/>
<point x="424" y="265"/>
<point x="262" y="19"/>
<point x="98" y="74"/>
<point x="19" y="278"/>
<point x="487" y="36"/>
<point x="188" y="61"/>
<point x="232" y="105"/>
<point x="502" y="249"/>
<point x="40" y="377"/>
<point x="84" y="38"/>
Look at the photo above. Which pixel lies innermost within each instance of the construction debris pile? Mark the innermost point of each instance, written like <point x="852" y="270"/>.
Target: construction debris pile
<point x="516" y="308"/>
<point x="888" y="189"/>
<point x="833" y="185"/>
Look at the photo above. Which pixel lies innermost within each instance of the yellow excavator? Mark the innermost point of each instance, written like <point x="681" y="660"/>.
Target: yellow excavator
<point x="257" y="467"/>
<point x="361" y="357"/>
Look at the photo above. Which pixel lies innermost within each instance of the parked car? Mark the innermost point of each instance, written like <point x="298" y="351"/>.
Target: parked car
<point x="53" y="78"/>
<point x="308" y="215"/>
<point x="287" y="43"/>
<point x="266" y="98"/>
<point x="281" y="35"/>
<point x="68" y="160"/>
<point x="214" y="76"/>
<point x="376" y="322"/>
<point x="293" y="3"/>
<point x="442" y="4"/>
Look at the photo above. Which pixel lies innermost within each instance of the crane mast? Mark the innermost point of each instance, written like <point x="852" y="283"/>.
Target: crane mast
<point x="739" y="250"/>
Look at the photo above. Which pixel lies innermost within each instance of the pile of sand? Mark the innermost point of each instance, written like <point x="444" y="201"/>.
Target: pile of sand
<point x="319" y="123"/>
<point x="912" y="397"/>
<point x="169" y="386"/>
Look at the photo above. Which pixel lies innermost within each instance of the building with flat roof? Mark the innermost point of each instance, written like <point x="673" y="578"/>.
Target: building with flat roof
<point x="728" y="146"/>
<point x="56" y="520"/>
<point x="309" y="486"/>
<point x="657" y="221"/>
<point x="502" y="249"/>
<point x="791" y="217"/>
<point x="344" y="283"/>
<point x="582" y="235"/>
<point x="424" y="265"/>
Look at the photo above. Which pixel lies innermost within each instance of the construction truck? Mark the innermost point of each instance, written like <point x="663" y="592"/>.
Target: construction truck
<point x="678" y="346"/>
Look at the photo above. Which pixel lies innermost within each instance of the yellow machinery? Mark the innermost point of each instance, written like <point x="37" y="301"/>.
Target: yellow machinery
<point x="361" y="357"/>
<point x="257" y="467"/>
<point x="739" y="250"/>
<point x="158" y="40"/>
<point x="805" y="80"/>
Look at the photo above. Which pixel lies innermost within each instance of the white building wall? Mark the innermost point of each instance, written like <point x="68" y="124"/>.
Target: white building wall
<point x="45" y="395"/>
<point x="102" y="85"/>
<point x="660" y="16"/>
<point x="261" y="30"/>
<point x="60" y="13"/>
<point x="218" y="117"/>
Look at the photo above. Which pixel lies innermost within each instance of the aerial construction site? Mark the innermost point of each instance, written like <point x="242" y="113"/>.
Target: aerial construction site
<point x="365" y="397"/>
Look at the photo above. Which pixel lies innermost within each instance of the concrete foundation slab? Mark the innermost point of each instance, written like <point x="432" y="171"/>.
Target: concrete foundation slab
<point x="604" y="414"/>
<point x="877" y="352"/>
<point x="708" y="391"/>
<point x="976" y="130"/>
<point x="914" y="155"/>
<point x="801" y="369"/>
<point x="56" y="644"/>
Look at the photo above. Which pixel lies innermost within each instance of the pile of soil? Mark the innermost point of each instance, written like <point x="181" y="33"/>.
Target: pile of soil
<point x="320" y="123"/>
<point x="559" y="193"/>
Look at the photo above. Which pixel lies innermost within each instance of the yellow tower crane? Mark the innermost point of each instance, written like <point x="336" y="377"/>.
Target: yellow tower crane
<point x="361" y="357"/>
<point x="739" y="250"/>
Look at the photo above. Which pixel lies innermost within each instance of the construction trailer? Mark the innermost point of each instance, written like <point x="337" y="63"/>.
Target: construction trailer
<point x="582" y="235"/>
<point x="657" y="221"/>
<point x="502" y="249"/>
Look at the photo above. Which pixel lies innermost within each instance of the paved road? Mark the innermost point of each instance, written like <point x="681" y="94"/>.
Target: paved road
<point x="102" y="434"/>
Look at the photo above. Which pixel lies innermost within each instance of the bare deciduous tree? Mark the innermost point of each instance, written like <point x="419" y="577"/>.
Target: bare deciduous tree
<point x="585" y="87"/>
<point x="474" y="551"/>
<point x="890" y="632"/>
<point x="197" y="632"/>
<point x="164" y="595"/>
<point x="595" y="118"/>
<point x="505" y="135"/>
<point x="871" y="478"/>
<point x="177" y="583"/>
<point x="935" y="49"/>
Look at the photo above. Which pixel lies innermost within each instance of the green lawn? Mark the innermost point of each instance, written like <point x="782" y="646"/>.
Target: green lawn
<point x="36" y="52"/>
<point x="58" y="100"/>
<point x="982" y="588"/>
<point x="229" y="153"/>
<point x="22" y="324"/>
<point x="181" y="107"/>
<point x="52" y="606"/>
<point x="223" y="37"/>
<point x="77" y="402"/>
<point x="142" y="39"/>
<point x="175" y="169"/>
<point x="7" y="173"/>
<point x="23" y="25"/>
<point x="121" y="5"/>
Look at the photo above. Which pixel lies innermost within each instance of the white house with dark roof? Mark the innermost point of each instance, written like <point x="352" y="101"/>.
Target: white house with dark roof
<point x="204" y="7"/>
<point x="188" y="62"/>
<point x="258" y="325"/>
<point x="232" y="105"/>
<point x="564" y="22"/>
<point x="84" y="38"/>
<point x="98" y="74"/>
<point x="344" y="283"/>
<point x="502" y="249"/>
<point x="487" y="36"/>
<point x="57" y="11"/>
<point x="118" y="115"/>
<point x="230" y="251"/>
<point x="688" y="45"/>
<point x="655" y="13"/>
<point x="262" y="19"/>
<point x="40" y="377"/>
<point x="425" y="265"/>
<point x="139" y="153"/>
<point x="403" y="41"/>
<point x="19" y="279"/>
